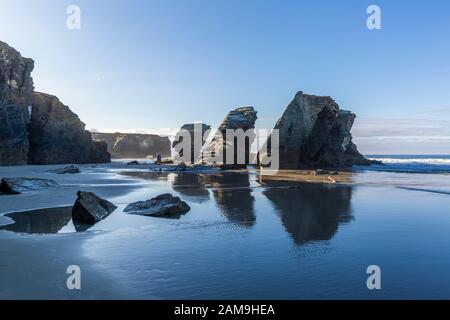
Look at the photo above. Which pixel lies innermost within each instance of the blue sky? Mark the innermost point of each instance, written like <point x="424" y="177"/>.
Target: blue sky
<point x="155" y="65"/>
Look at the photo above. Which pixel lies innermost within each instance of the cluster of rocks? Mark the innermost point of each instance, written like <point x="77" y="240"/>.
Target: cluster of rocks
<point x="133" y="145"/>
<point x="90" y="208"/>
<point x="313" y="133"/>
<point x="36" y="128"/>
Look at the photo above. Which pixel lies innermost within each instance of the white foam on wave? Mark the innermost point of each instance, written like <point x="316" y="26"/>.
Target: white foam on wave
<point x="413" y="164"/>
<point x="434" y="161"/>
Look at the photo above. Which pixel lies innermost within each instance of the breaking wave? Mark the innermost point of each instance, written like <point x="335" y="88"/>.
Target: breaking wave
<point x="412" y="163"/>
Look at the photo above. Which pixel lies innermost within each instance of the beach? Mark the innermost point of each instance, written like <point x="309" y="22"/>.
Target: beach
<point x="245" y="237"/>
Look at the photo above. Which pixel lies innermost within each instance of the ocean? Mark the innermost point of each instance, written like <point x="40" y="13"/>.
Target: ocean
<point x="412" y="163"/>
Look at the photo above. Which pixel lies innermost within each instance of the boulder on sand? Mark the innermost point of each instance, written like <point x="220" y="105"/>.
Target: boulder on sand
<point x="67" y="170"/>
<point x="133" y="163"/>
<point x="322" y="172"/>
<point x="162" y="205"/>
<point x="19" y="185"/>
<point x="90" y="209"/>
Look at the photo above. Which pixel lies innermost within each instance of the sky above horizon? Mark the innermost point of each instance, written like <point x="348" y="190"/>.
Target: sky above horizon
<point x="151" y="66"/>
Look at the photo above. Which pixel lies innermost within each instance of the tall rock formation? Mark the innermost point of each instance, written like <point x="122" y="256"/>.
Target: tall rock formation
<point x="315" y="132"/>
<point x="36" y="128"/>
<point x="16" y="96"/>
<point x="243" y="118"/>
<point x="194" y="130"/>
<point x="57" y="135"/>
<point x="134" y="145"/>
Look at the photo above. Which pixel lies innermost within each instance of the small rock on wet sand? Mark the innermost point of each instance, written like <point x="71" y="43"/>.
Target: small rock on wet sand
<point x="321" y="172"/>
<point x="133" y="163"/>
<point x="19" y="185"/>
<point x="90" y="208"/>
<point x="67" y="170"/>
<point x="162" y="205"/>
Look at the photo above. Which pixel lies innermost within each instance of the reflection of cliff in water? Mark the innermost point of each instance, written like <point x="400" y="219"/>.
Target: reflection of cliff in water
<point x="191" y="186"/>
<point x="233" y="196"/>
<point x="311" y="212"/>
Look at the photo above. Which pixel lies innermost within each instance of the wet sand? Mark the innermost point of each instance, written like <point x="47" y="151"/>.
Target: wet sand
<point x="35" y="265"/>
<point x="314" y="240"/>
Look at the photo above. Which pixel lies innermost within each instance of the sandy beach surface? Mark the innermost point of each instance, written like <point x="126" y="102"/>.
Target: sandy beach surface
<point x="241" y="228"/>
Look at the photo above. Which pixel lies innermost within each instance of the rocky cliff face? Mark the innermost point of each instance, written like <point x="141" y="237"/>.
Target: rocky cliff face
<point x="241" y="118"/>
<point x="194" y="130"/>
<point x="128" y="145"/>
<point x="315" y="132"/>
<point x="16" y="95"/>
<point x="57" y="135"/>
<point x="36" y="128"/>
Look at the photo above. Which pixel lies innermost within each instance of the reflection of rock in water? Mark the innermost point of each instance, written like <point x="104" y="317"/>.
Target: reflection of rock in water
<point x="233" y="196"/>
<point x="311" y="212"/>
<point x="191" y="186"/>
<point x="157" y="176"/>
<point x="42" y="221"/>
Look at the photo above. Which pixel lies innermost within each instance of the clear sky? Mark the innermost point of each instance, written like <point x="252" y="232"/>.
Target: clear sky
<point x="155" y="65"/>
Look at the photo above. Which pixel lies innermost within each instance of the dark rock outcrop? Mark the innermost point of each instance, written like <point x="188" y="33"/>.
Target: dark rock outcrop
<point x="20" y="185"/>
<point x="315" y="132"/>
<point x="67" y="170"/>
<point x="162" y="205"/>
<point x="133" y="163"/>
<point x="57" y="135"/>
<point x="36" y="128"/>
<point x="134" y="145"/>
<point x="16" y="96"/>
<point x="90" y="209"/>
<point x="194" y="130"/>
<point x="241" y="118"/>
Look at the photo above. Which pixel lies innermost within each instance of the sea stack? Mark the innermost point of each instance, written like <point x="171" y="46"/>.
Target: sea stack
<point x="244" y="119"/>
<point x="314" y="132"/>
<point x="194" y="129"/>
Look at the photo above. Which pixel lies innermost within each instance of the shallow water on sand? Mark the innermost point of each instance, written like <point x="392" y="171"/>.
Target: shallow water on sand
<point x="242" y="240"/>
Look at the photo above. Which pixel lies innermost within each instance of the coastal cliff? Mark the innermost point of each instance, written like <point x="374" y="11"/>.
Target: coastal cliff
<point x="36" y="128"/>
<point x="16" y="96"/>
<point x="133" y="145"/>
<point x="57" y="135"/>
